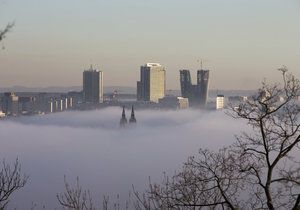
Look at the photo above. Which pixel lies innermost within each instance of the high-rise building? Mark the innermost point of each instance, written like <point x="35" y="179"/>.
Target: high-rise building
<point x="197" y="94"/>
<point x="92" y="86"/>
<point x="187" y="89"/>
<point x="152" y="84"/>
<point x="202" y="83"/>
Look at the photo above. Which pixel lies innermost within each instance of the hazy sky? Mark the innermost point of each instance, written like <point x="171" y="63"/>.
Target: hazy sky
<point x="241" y="41"/>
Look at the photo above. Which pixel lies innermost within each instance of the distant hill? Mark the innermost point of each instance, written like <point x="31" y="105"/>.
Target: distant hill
<point x="40" y="89"/>
<point x="226" y="93"/>
<point x="120" y="89"/>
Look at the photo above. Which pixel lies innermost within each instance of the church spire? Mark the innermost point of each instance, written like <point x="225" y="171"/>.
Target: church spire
<point x="123" y="120"/>
<point x="132" y="117"/>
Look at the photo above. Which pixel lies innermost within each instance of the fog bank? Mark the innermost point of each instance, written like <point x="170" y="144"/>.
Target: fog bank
<point x="108" y="160"/>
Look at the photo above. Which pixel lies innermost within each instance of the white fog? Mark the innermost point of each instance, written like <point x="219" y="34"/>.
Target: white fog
<point x="107" y="160"/>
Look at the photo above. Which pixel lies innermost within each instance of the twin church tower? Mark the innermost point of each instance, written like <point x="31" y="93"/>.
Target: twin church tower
<point x="123" y="120"/>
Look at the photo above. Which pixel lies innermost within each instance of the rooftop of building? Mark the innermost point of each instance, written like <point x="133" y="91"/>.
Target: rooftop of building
<point x="152" y="64"/>
<point x="91" y="69"/>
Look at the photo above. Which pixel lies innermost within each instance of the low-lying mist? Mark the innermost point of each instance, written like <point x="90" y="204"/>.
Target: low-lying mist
<point x="107" y="160"/>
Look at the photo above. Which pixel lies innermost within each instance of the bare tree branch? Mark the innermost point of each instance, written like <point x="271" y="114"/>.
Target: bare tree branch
<point x="6" y="30"/>
<point x="75" y="198"/>
<point x="11" y="180"/>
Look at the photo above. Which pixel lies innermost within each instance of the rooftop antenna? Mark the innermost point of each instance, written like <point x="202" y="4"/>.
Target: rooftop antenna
<point x="201" y="63"/>
<point x="91" y="62"/>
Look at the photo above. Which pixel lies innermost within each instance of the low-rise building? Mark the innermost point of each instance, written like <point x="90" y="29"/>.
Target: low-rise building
<point x="174" y="102"/>
<point x="220" y="102"/>
<point x="10" y="105"/>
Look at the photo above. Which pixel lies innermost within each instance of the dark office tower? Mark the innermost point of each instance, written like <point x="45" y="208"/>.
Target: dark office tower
<point x="92" y="86"/>
<point x="188" y="90"/>
<point x="197" y="94"/>
<point x="152" y="84"/>
<point x="123" y="120"/>
<point x="132" y="117"/>
<point x="203" y="83"/>
<point x="186" y="84"/>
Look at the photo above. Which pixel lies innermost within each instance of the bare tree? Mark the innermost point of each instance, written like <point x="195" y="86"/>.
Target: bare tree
<point x="208" y="181"/>
<point x="5" y="31"/>
<point x="259" y="171"/>
<point x="269" y="152"/>
<point x="75" y="198"/>
<point x="11" y="179"/>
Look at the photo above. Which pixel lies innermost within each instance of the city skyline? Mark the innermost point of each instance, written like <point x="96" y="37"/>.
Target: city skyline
<point x="161" y="104"/>
<point x="241" y="42"/>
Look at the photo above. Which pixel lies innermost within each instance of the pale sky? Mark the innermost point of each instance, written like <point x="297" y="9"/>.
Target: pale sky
<point x="241" y="41"/>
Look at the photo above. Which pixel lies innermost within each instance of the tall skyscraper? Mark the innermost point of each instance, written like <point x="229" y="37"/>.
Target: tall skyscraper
<point x="92" y="86"/>
<point x="197" y="94"/>
<point x="203" y="82"/>
<point x="187" y="89"/>
<point x="152" y="84"/>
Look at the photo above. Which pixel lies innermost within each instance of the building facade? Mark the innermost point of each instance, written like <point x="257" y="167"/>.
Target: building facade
<point x="10" y="104"/>
<point x="183" y="103"/>
<point x="220" y="102"/>
<point x="152" y="84"/>
<point x="203" y="85"/>
<point x="187" y="89"/>
<point x="173" y="102"/>
<point x="197" y="94"/>
<point x="92" y="86"/>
